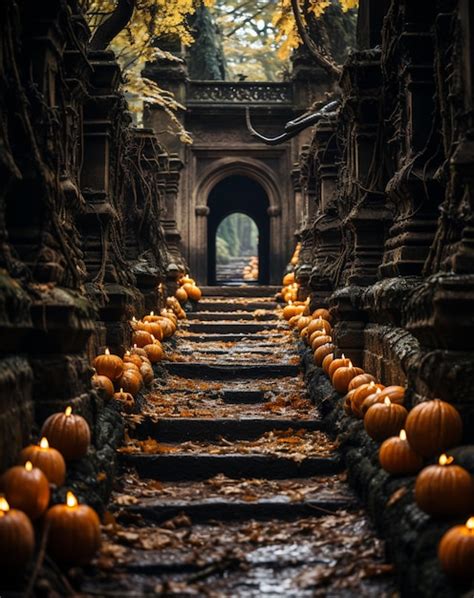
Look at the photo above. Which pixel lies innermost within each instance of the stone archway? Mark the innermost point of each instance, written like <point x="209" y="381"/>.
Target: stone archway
<point x="256" y="180"/>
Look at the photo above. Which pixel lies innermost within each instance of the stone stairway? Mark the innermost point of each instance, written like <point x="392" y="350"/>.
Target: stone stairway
<point x="230" y="484"/>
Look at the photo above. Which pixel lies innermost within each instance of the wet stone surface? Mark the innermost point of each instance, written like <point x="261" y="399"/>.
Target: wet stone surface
<point x="230" y="484"/>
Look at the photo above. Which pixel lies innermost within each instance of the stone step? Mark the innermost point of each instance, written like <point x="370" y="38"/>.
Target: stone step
<point x="221" y="509"/>
<point x="232" y="351"/>
<point x="243" y="397"/>
<point x="226" y="306"/>
<point x="182" y="429"/>
<point x="208" y="371"/>
<point x="215" y="316"/>
<point x="240" y="291"/>
<point x="230" y="338"/>
<point x="231" y="327"/>
<point x="201" y="466"/>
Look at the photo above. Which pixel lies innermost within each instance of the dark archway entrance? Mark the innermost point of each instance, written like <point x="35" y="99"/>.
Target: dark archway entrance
<point x="243" y="195"/>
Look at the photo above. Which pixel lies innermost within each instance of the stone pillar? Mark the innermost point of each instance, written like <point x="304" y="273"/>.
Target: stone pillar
<point x="170" y="225"/>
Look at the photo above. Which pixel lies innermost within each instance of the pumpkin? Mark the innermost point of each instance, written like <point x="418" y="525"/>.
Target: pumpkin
<point x="369" y="401"/>
<point x="342" y="377"/>
<point x="348" y="402"/>
<point x="304" y="335"/>
<point x="395" y="393"/>
<point x="288" y="279"/>
<point x="181" y="295"/>
<point x="361" y="379"/>
<point x="74" y="532"/>
<point x="26" y="488"/>
<point x="433" y="426"/>
<point x="131" y="381"/>
<point x="294" y="321"/>
<point x="385" y="419"/>
<point x="444" y="489"/>
<point x="321" y="353"/>
<point x="322" y="313"/>
<point x="151" y="317"/>
<point x="147" y="373"/>
<point x="316" y="324"/>
<point x="154" y="328"/>
<point x="187" y="280"/>
<point x="168" y="329"/>
<point x="397" y="457"/>
<point x="46" y="458"/>
<point x="316" y="333"/>
<point x="456" y="551"/>
<point x="108" y="365"/>
<point x="155" y="352"/>
<point x="320" y="341"/>
<point x="138" y="351"/>
<point x="327" y="362"/>
<point x="17" y="539"/>
<point x="291" y="310"/>
<point x="141" y="338"/>
<point x="126" y="400"/>
<point x="363" y="392"/>
<point x="320" y="324"/>
<point x="129" y="358"/>
<point x="68" y="433"/>
<point x="103" y="385"/>
<point x="338" y="363"/>
<point x="303" y="322"/>
<point x="192" y="291"/>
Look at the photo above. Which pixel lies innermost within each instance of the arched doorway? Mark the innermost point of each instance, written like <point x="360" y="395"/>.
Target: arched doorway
<point x="239" y="194"/>
<point x="237" y="250"/>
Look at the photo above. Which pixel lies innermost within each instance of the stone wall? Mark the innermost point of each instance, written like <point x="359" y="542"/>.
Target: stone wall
<point x="82" y="243"/>
<point x="388" y="179"/>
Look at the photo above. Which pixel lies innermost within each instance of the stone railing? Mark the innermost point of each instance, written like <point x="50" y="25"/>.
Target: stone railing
<point x="229" y="92"/>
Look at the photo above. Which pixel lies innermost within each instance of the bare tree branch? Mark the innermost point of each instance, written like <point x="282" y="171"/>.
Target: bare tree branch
<point x="324" y="61"/>
<point x="111" y="27"/>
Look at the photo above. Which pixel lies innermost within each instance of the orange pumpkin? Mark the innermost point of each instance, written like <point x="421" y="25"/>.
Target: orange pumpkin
<point x="168" y="329"/>
<point x="289" y="311"/>
<point x="339" y="362"/>
<point x="131" y="381"/>
<point x="456" y="551"/>
<point x="348" y="402"/>
<point x="138" y="351"/>
<point x="361" y="379"/>
<point x="147" y="373"/>
<point x="103" y="385"/>
<point x="385" y="419"/>
<point x="303" y="322"/>
<point x="321" y="353"/>
<point x="320" y="324"/>
<point x="342" y="377"/>
<point x="186" y="280"/>
<point x="141" y="338"/>
<point x="294" y="320"/>
<point x="395" y="393"/>
<point x="288" y="279"/>
<point x="433" y="426"/>
<point x="129" y="358"/>
<point x="153" y="328"/>
<point x="316" y="325"/>
<point x="327" y="362"/>
<point x="369" y="401"/>
<point x="151" y="317"/>
<point x="322" y="313"/>
<point x="181" y="295"/>
<point x="320" y="341"/>
<point x="68" y="433"/>
<point x="26" y="488"/>
<point x="17" y="539"/>
<point x="46" y="458"/>
<point x="192" y="291"/>
<point x="444" y="489"/>
<point x="108" y="365"/>
<point x="363" y="392"/>
<point x="397" y="457"/>
<point x="74" y="532"/>
<point x="126" y="400"/>
<point x="155" y="352"/>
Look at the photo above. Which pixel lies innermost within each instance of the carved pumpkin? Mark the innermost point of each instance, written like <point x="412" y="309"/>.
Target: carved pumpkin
<point x="395" y="393"/>
<point x="17" y="538"/>
<point x="321" y="353"/>
<point x="103" y="384"/>
<point x="108" y="365"/>
<point x="385" y="419"/>
<point x="154" y="328"/>
<point x="147" y="373"/>
<point x="361" y="379"/>
<point x="397" y="457"/>
<point x="456" y="551"/>
<point x="342" y="377"/>
<point x="322" y="313"/>
<point x="46" y="458"/>
<point x="181" y="295"/>
<point x="339" y="362"/>
<point x="320" y="341"/>
<point x="131" y="381"/>
<point x="26" y="488"/>
<point x="68" y="433"/>
<point x="155" y="352"/>
<point x="74" y="532"/>
<point x="126" y="400"/>
<point x="433" y="426"/>
<point x="327" y="362"/>
<point x="444" y="489"/>
<point x="141" y="338"/>
<point x="193" y="291"/>
<point x="363" y="392"/>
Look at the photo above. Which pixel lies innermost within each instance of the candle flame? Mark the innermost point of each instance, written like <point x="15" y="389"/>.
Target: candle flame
<point x="134" y="319"/>
<point x="71" y="500"/>
<point x="387" y="401"/>
<point x="290" y="302"/>
<point x="342" y="356"/>
<point x="127" y="352"/>
<point x="403" y="435"/>
<point x="135" y="346"/>
<point x="445" y="460"/>
<point x="4" y="506"/>
<point x="44" y="444"/>
<point x="121" y="390"/>
<point x="349" y="365"/>
<point x="28" y="466"/>
<point x="107" y="352"/>
<point x="153" y="338"/>
<point x="469" y="524"/>
<point x="372" y="384"/>
<point x="152" y="313"/>
<point x="68" y="411"/>
<point x="378" y="391"/>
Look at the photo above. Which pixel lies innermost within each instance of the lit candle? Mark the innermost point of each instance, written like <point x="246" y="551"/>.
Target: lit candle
<point x="456" y="551"/>
<point x="397" y="457"/>
<point x="27" y="489"/>
<point x="17" y="538"/>
<point x="74" y="532"/>
<point x="46" y="458"/>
